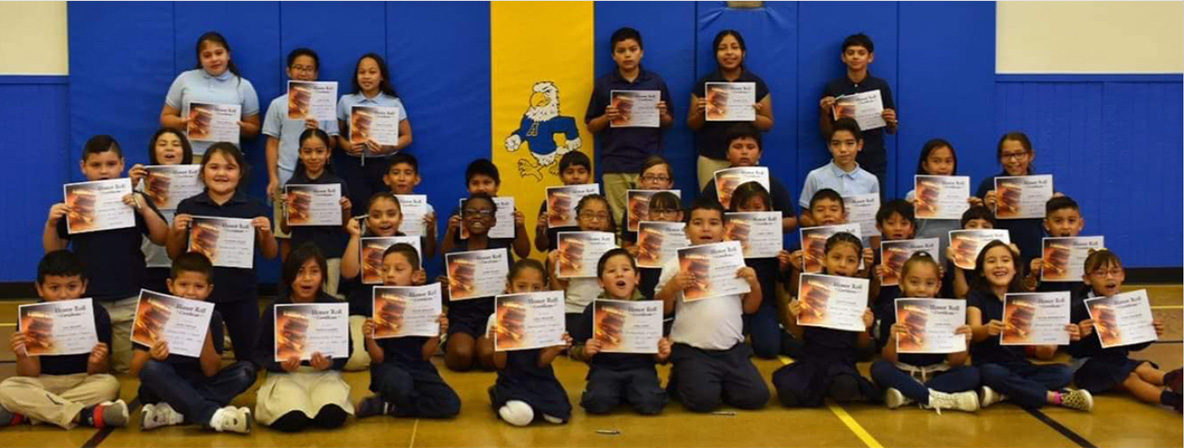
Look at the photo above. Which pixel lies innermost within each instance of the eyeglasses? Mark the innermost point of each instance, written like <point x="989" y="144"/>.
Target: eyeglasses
<point x="304" y="68"/>
<point x="653" y="178"/>
<point x="663" y="211"/>
<point x="1107" y="273"/>
<point x="1013" y="155"/>
<point x="473" y="213"/>
<point x="594" y="216"/>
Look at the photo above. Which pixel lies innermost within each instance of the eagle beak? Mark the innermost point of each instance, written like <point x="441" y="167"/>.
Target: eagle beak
<point x="539" y="100"/>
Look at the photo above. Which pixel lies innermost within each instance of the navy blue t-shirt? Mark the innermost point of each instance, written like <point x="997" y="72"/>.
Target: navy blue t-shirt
<point x="115" y="264"/>
<point x="874" y="156"/>
<point x="193" y="364"/>
<point x="405" y="351"/>
<point x="711" y="139"/>
<point x="330" y="239"/>
<point x="232" y="284"/>
<point x="990" y="350"/>
<point x="622" y="150"/>
<point x="70" y="364"/>
<point x="478" y="310"/>
<point x="611" y="361"/>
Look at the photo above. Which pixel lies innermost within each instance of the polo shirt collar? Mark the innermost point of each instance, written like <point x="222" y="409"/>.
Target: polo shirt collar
<point x="838" y="172"/>
<point x="239" y="197"/>
<point x="642" y="75"/>
<point x="225" y="76"/>
<point x="851" y="83"/>
<point x="744" y="75"/>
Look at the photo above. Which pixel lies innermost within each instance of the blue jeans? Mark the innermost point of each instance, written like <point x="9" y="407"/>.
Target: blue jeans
<point x="957" y="379"/>
<point x="194" y="395"/>
<point x="415" y="392"/>
<point x="1025" y="383"/>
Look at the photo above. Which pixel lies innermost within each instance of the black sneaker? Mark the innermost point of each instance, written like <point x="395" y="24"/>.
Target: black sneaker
<point x="372" y="406"/>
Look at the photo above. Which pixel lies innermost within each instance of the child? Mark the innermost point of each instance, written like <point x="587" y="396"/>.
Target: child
<point x="575" y="168"/>
<point x="402" y="176"/>
<point x="826" y="209"/>
<point x="1062" y="219"/>
<point x="762" y="326"/>
<point x="383" y="217"/>
<point x="223" y="170"/>
<point x="826" y="368"/>
<point x="938" y="159"/>
<point x="176" y="388"/>
<point x="710" y="136"/>
<point x="313" y="169"/>
<point x="842" y="174"/>
<point x="711" y="365"/>
<point x="935" y="381"/>
<point x="1112" y="368"/>
<point x="467" y="318"/>
<point x="655" y="174"/>
<point x="298" y="394"/>
<point x="372" y="87"/>
<point x="482" y="176"/>
<point x="615" y="378"/>
<point x="593" y="215"/>
<point x="404" y="381"/>
<point x="68" y="390"/>
<point x="215" y="80"/>
<point x="526" y="387"/>
<point x="895" y="221"/>
<point x="977" y="217"/>
<point x="744" y="149"/>
<point x="1005" y="370"/>
<point x="666" y="207"/>
<point x="1015" y="154"/>
<point x="112" y="257"/>
<point x="167" y="147"/>
<point x="283" y="136"/>
<point x="858" y="53"/>
<point x="624" y="149"/>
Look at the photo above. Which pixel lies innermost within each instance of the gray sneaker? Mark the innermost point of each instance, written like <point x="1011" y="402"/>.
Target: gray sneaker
<point x="232" y="419"/>
<point x="894" y="399"/>
<point x="989" y="397"/>
<point x="961" y="401"/>
<point x="154" y="416"/>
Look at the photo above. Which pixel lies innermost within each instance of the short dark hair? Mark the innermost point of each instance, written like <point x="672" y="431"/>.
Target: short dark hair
<point x="584" y="201"/>
<point x="977" y="212"/>
<point x="626" y="33"/>
<point x="526" y="263"/>
<point x="826" y="193"/>
<point x="845" y="124"/>
<point x="574" y="158"/>
<point x="844" y="238"/>
<point x="933" y="145"/>
<point x="230" y="151"/>
<point x="402" y="157"/>
<point x="667" y="199"/>
<point x="316" y="60"/>
<point x="742" y="130"/>
<point x="60" y="263"/>
<point x="1099" y="259"/>
<point x="859" y="40"/>
<point x="483" y="196"/>
<point x="896" y="207"/>
<point x="300" y="255"/>
<point x="381" y="195"/>
<point x="406" y="250"/>
<point x="1060" y="203"/>
<point x="192" y="262"/>
<point x="653" y="161"/>
<point x="482" y="167"/>
<point x="706" y="203"/>
<point x="100" y="144"/>
<point x="186" y="148"/>
<point x="610" y="254"/>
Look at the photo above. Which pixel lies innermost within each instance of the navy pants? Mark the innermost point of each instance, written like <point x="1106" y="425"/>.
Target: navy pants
<point x="765" y="331"/>
<point x="194" y="395"/>
<point x="415" y="392"/>
<point x="810" y="380"/>
<point x="639" y="387"/>
<point x="242" y="323"/>
<point x="957" y="379"/>
<point x="361" y="180"/>
<point x="1026" y="384"/>
<point x="704" y="379"/>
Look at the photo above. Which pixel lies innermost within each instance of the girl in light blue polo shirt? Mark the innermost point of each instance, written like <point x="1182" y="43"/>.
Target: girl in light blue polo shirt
<point x="362" y="165"/>
<point x="215" y="80"/>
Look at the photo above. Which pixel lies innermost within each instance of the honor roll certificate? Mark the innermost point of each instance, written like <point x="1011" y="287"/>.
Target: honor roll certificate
<point x="1022" y="197"/>
<point x="528" y="321"/>
<point x="406" y="311"/>
<point x="658" y="242"/>
<point x="814" y="244"/>
<point x="966" y="244"/>
<point x="182" y="323"/>
<point x="302" y="329"/>
<point x="379" y="124"/>
<point x="504" y="228"/>
<point x="167" y="185"/>
<point x="414" y="208"/>
<point x="861" y="209"/>
<point x="98" y="206"/>
<point x="1123" y="319"/>
<point x="372" y="250"/>
<point x="832" y="302"/>
<point x="476" y="274"/>
<point x="227" y="242"/>
<point x="314" y="204"/>
<point x="731" y="101"/>
<point x="212" y="122"/>
<point x="893" y="254"/>
<point x="580" y="252"/>
<point x="712" y="268"/>
<point x="638" y="206"/>
<point x="759" y="233"/>
<point x="63" y="327"/>
<point x="627" y="326"/>
<point x="1036" y="318"/>
<point x="726" y="181"/>
<point x="867" y="108"/>
<point x="636" y="108"/>
<point x="1064" y="258"/>
<point x="941" y="197"/>
<point x="310" y="99"/>
<point x="562" y="201"/>
<point x="931" y="324"/>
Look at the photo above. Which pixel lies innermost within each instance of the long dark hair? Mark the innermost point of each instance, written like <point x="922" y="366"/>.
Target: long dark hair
<point x="980" y="283"/>
<point x="300" y="255"/>
<point x="231" y="152"/>
<point x="386" y="86"/>
<point x="1019" y="137"/>
<point x="186" y="148"/>
<point x="215" y="37"/>
<point x="313" y="133"/>
<point x="719" y="37"/>
<point x="933" y="145"/>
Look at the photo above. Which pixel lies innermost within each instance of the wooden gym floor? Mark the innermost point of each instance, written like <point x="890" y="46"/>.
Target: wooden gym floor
<point x="1117" y="420"/>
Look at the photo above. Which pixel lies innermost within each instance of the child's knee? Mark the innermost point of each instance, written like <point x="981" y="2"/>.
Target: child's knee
<point x="698" y="400"/>
<point x="598" y="402"/>
<point x="844" y="388"/>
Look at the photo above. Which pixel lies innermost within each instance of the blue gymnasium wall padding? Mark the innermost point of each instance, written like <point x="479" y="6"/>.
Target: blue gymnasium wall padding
<point x="667" y="30"/>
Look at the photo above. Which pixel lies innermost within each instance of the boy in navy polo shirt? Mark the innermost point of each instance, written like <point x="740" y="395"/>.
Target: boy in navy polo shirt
<point x="67" y="390"/>
<point x="482" y="176"/>
<point x="622" y="150"/>
<point x="113" y="258"/>
<point x="858" y="53"/>
<point x="745" y="149"/>
<point x="1062" y="219"/>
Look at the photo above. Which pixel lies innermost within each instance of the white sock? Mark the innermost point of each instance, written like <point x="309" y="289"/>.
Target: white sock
<point x="517" y="413"/>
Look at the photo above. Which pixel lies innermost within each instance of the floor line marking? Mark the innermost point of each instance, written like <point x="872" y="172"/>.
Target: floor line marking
<point x="846" y="418"/>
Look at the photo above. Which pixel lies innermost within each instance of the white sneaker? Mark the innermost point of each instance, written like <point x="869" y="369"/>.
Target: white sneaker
<point x="990" y="397"/>
<point x="232" y="419"/>
<point x="553" y="420"/>
<point x="154" y="416"/>
<point x="516" y="413"/>
<point x="961" y="401"/>
<point x="894" y="399"/>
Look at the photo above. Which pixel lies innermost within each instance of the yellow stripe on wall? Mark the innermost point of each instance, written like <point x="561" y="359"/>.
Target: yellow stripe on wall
<point x="542" y="73"/>
<point x="33" y="38"/>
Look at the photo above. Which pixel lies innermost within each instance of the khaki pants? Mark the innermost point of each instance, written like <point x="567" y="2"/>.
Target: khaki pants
<point x="56" y="399"/>
<point x="305" y="390"/>
<point x="333" y="277"/>
<point x="277" y="207"/>
<point x="122" y="313"/>
<point x="360" y="359"/>
<point x="707" y="169"/>
<point x="616" y="186"/>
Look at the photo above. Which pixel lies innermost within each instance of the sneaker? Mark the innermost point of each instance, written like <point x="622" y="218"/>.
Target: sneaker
<point x="553" y="420"/>
<point x="1079" y="399"/>
<point x="516" y="413"/>
<point x="989" y="397"/>
<point x="108" y="414"/>
<point x="8" y="418"/>
<point x="894" y="399"/>
<point x="232" y="419"/>
<point x="153" y="416"/>
<point x="961" y="401"/>
<point x="372" y="406"/>
<point x="1174" y="379"/>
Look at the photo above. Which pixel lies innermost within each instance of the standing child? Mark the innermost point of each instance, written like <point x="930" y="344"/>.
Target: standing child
<point x="744" y="150"/>
<point x="858" y="53"/>
<point x="68" y="390"/>
<point x="935" y="381"/>
<point x="575" y="168"/>
<point x="1005" y="370"/>
<point x="623" y="150"/>
<point x="298" y="394"/>
<point x="1106" y="369"/>
<point x="482" y="176"/>
<point x="938" y="159"/>
<point x="167" y="147"/>
<point x="223" y="171"/>
<point x="526" y="389"/>
<point x="112" y="257"/>
<point x="1016" y="154"/>
<point x="402" y="377"/>
<point x="762" y="325"/>
<point x="826" y="368"/>
<point x="402" y="176"/>
<point x="615" y="378"/>
<point x="313" y="169"/>
<point x="711" y="365"/>
<point x="179" y="389"/>
<point x="1062" y="219"/>
<point x="842" y="174"/>
<point x="363" y="164"/>
<point x="593" y="215"/>
<point x="215" y="80"/>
